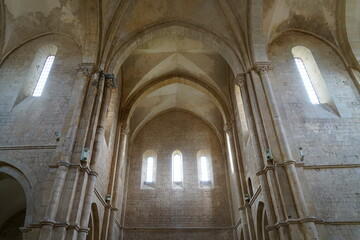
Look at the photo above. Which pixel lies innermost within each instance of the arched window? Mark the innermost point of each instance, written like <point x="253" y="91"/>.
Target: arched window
<point x="205" y="171"/>
<point x="314" y="83"/>
<point x="240" y="105"/>
<point x="37" y="74"/>
<point x="148" y="173"/>
<point x="43" y="76"/>
<point x="307" y="82"/>
<point x="177" y="169"/>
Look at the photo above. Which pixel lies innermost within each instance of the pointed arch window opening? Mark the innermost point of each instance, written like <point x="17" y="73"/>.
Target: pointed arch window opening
<point x="307" y="81"/>
<point x="177" y="168"/>
<point x="149" y="170"/>
<point x="44" y="76"/>
<point x="205" y="176"/>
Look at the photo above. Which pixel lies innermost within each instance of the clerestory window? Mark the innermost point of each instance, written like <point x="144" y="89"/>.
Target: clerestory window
<point x="177" y="169"/>
<point x="44" y="76"/>
<point x="205" y="171"/>
<point x="307" y="82"/>
<point x="315" y="85"/>
<point x="149" y="170"/>
<point x="148" y="173"/>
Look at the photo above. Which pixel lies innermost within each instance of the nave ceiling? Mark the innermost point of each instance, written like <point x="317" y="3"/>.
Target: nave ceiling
<point x="178" y="54"/>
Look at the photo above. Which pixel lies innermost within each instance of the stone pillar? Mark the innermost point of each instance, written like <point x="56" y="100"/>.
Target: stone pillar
<point x="308" y="224"/>
<point x="241" y="81"/>
<point x="245" y="211"/>
<point x="119" y="183"/>
<point x="96" y="157"/>
<point x="64" y="151"/>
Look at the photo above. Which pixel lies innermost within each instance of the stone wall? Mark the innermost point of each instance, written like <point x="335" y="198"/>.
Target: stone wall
<point x="164" y="207"/>
<point x="27" y="142"/>
<point x="330" y="140"/>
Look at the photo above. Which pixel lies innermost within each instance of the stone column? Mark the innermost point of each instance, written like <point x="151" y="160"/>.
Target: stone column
<point x="288" y="162"/>
<point x="241" y="81"/>
<point x="245" y="211"/>
<point x="119" y="183"/>
<point x="64" y="151"/>
<point x="96" y="157"/>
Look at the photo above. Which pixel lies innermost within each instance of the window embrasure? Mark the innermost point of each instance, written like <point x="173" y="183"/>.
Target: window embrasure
<point x="148" y="172"/>
<point x="43" y="76"/>
<point x="177" y="170"/>
<point x="37" y="73"/>
<point x="314" y="83"/>
<point x="205" y="170"/>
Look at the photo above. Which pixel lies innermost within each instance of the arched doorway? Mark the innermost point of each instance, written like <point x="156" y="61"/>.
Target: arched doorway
<point x="12" y="208"/>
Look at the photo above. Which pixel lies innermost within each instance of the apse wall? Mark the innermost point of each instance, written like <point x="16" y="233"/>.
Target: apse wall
<point x="185" y="213"/>
<point x="329" y="138"/>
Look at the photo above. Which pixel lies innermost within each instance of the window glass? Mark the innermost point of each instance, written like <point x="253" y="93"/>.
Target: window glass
<point x="177" y="167"/>
<point x="307" y="82"/>
<point x="149" y="169"/>
<point x="43" y="76"/>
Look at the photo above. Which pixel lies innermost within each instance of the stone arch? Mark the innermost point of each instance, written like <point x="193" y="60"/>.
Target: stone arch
<point x="310" y="35"/>
<point x="94" y="232"/>
<point x="10" y="52"/>
<point x="138" y="129"/>
<point x="123" y="50"/>
<point x="2" y="25"/>
<point x="151" y="86"/>
<point x="242" y="235"/>
<point x="261" y="222"/>
<point x="258" y="40"/>
<point x="17" y="175"/>
<point x="348" y="42"/>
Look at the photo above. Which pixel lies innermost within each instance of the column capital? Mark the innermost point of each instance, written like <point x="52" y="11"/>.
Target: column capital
<point x="125" y="129"/>
<point x="240" y="79"/>
<point x="262" y="67"/>
<point x="87" y="69"/>
<point x="110" y="80"/>
<point x="228" y="127"/>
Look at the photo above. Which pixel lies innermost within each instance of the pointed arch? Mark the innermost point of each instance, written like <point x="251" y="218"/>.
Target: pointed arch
<point x="123" y="50"/>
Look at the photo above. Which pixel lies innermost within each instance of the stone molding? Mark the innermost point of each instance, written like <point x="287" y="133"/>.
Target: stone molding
<point x="240" y="80"/>
<point x="87" y="69"/>
<point x="262" y="67"/>
<point x="125" y="130"/>
<point x="27" y="147"/>
<point x="290" y="221"/>
<point x="228" y="127"/>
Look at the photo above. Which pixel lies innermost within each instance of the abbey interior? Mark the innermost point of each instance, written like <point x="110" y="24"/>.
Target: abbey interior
<point x="179" y="119"/>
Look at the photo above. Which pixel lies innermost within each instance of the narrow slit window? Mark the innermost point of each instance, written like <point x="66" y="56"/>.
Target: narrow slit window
<point x="307" y="82"/>
<point x="43" y="76"/>
<point x="149" y="170"/>
<point x="204" y="169"/>
<point x="177" y="168"/>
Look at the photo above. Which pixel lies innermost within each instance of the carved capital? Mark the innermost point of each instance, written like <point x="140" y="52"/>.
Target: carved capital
<point x="87" y="69"/>
<point x="228" y="127"/>
<point x="240" y="79"/>
<point x="125" y="129"/>
<point x="110" y="80"/>
<point x="262" y="67"/>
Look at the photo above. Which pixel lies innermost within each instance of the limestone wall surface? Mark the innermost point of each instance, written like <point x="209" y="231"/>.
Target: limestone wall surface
<point x="330" y="139"/>
<point x="165" y="207"/>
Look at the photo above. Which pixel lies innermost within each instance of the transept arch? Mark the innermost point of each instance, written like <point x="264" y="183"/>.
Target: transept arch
<point x="127" y="46"/>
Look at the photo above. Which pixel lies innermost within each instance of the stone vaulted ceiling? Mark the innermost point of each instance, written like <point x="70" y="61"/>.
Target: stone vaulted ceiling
<point x="174" y="54"/>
